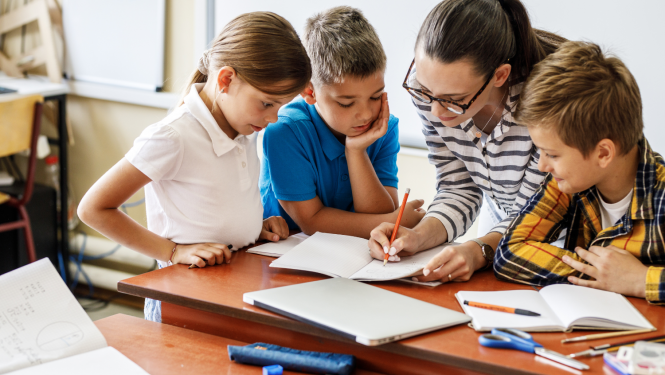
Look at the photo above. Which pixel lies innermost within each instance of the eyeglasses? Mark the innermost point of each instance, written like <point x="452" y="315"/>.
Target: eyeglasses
<point x="450" y="105"/>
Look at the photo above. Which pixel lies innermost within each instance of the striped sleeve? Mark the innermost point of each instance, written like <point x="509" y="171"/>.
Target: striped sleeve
<point x="530" y="183"/>
<point x="655" y="285"/>
<point x="458" y="198"/>
<point x="524" y="254"/>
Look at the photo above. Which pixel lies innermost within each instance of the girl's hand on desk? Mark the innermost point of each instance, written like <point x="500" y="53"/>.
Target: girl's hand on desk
<point x="274" y="229"/>
<point x="458" y="261"/>
<point x="202" y="254"/>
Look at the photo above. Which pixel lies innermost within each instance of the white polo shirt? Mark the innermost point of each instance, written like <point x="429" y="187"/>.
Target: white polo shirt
<point x="204" y="185"/>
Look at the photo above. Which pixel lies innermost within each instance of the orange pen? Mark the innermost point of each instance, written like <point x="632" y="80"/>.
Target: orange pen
<point x="399" y="218"/>
<point x="509" y="310"/>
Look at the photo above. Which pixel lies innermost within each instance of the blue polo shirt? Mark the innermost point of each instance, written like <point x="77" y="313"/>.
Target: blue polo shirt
<point x="302" y="159"/>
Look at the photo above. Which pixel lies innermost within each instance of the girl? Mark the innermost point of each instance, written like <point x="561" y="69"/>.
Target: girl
<point x="472" y="57"/>
<point x="199" y="165"/>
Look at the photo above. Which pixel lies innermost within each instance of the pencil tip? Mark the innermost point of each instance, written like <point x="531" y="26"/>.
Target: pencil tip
<point x="192" y="266"/>
<point x="384" y="262"/>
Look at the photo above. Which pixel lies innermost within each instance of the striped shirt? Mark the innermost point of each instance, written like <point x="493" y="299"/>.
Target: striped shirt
<point x="505" y="168"/>
<point x="525" y="255"/>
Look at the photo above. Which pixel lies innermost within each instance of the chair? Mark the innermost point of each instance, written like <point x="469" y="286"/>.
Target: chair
<point x="20" y="121"/>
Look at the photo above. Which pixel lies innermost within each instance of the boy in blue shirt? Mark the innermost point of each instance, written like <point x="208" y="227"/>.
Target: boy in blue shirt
<point x="330" y="160"/>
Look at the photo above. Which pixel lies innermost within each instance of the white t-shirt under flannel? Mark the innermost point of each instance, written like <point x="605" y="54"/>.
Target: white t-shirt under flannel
<point x="505" y="168"/>
<point x="204" y="185"/>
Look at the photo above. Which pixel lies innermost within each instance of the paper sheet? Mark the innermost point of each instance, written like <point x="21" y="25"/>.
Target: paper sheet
<point x="375" y="271"/>
<point x="105" y="361"/>
<point x="40" y="320"/>
<point x="277" y="249"/>
<point x="330" y="254"/>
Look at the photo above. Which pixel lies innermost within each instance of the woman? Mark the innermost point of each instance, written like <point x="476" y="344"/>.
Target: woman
<point x="471" y="58"/>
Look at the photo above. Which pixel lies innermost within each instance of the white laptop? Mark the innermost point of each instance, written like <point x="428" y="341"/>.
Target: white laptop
<point x="361" y="312"/>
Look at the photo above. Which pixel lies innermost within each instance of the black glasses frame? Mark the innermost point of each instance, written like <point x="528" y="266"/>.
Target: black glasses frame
<point x="463" y="107"/>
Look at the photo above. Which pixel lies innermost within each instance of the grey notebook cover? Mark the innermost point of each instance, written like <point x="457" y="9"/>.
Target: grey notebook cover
<point x="361" y="312"/>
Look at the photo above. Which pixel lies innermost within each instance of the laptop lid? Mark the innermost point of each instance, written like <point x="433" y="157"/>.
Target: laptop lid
<point x="361" y="312"/>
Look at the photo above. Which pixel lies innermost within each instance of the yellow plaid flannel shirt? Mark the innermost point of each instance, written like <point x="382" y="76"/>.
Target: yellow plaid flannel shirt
<point x="525" y="255"/>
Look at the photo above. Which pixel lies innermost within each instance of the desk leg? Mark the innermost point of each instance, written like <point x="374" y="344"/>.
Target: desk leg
<point x="64" y="179"/>
<point x="369" y="358"/>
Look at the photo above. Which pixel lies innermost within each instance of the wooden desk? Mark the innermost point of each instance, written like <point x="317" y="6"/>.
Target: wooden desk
<point x="57" y="92"/>
<point x="164" y="349"/>
<point x="210" y="300"/>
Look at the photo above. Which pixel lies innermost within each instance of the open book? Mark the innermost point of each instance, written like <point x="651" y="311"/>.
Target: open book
<point x="562" y="307"/>
<point x="347" y="256"/>
<point x="41" y="322"/>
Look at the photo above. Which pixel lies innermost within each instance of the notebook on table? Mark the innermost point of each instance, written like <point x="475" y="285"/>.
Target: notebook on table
<point x="360" y="312"/>
<point x="44" y="330"/>
<point x="336" y="255"/>
<point x="562" y="307"/>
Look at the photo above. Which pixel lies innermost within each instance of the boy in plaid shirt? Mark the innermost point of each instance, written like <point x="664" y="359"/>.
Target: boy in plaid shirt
<point x="605" y="187"/>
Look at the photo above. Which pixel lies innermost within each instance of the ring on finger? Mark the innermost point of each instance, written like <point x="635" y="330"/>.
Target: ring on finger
<point x="450" y="277"/>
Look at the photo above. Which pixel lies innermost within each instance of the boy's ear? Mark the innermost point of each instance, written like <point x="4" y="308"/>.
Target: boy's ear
<point x="502" y="74"/>
<point x="606" y="150"/>
<point x="308" y="94"/>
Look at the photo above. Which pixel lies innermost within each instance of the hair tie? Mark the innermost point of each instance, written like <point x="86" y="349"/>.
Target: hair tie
<point x="204" y="62"/>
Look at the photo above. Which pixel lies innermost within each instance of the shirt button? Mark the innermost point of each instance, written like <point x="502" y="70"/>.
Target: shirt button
<point x="345" y="177"/>
<point x="239" y="150"/>
<point x="244" y="164"/>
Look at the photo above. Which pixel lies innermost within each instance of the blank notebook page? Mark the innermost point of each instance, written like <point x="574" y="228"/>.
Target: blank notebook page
<point x="330" y="254"/>
<point x="572" y="302"/>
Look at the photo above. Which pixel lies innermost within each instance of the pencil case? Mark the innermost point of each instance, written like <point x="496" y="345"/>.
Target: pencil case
<point x="261" y="354"/>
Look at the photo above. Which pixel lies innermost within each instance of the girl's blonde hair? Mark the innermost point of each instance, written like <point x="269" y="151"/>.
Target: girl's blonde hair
<point x="264" y="50"/>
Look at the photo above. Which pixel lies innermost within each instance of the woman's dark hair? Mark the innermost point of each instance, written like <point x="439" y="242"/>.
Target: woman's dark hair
<point x="488" y="32"/>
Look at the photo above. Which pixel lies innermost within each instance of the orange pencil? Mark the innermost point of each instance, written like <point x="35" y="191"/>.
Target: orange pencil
<point x="399" y="218"/>
<point x="509" y="310"/>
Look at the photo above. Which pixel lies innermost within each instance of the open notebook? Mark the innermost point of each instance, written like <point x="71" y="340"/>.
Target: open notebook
<point x="347" y="256"/>
<point x="41" y="322"/>
<point x="562" y="307"/>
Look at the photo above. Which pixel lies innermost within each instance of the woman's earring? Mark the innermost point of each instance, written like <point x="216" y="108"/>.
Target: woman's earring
<point x="221" y="91"/>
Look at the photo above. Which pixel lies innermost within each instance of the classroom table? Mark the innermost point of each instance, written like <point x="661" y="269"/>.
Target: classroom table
<point x="210" y="300"/>
<point x="58" y="93"/>
<point x="164" y="349"/>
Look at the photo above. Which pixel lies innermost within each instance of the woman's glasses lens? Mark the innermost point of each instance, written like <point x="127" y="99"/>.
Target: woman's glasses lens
<point x="426" y="99"/>
<point x="453" y="108"/>
<point x="420" y="96"/>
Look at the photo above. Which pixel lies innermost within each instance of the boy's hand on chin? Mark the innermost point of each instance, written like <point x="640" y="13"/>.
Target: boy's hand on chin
<point x="613" y="269"/>
<point x="377" y="129"/>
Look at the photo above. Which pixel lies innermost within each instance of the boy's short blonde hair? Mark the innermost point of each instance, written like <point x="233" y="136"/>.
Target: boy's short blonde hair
<point x="586" y="96"/>
<point x="340" y="42"/>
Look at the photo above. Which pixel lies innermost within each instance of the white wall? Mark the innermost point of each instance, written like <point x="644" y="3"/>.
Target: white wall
<point x="634" y="30"/>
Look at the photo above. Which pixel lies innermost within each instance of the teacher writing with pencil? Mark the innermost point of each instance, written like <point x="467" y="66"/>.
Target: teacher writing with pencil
<point x="471" y="59"/>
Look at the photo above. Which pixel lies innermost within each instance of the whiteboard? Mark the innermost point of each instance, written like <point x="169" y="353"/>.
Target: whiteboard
<point x="634" y="32"/>
<point x="115" y="42"/>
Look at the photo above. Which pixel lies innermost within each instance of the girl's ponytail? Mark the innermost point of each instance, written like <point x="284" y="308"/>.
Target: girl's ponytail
<point x="488" y="32"/>
<point x="264" y="50"/>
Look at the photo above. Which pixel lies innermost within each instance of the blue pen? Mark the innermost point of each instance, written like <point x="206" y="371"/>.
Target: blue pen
<point x="508" y="338"/>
